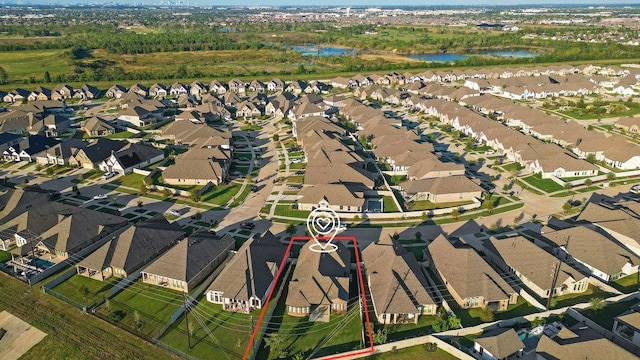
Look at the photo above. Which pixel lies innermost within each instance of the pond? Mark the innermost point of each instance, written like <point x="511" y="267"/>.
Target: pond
<point x="311" y="50"/>
<point x="448" y="57"/>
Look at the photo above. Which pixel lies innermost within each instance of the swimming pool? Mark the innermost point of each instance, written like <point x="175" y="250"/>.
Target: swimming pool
<point x="43" y="264"/>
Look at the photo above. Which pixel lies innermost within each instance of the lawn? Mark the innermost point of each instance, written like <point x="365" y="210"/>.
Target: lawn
<point x="71" y="334"/>
<point x="130" y="180"/>
<point x="428" y="205"/>
<point x="546" y="185"/>
<point x="24" y="64"/>
<point x="4" y="256"/>
<point x="604" y="317"/>
<point x="221" y="194"/>
<point x="142" y="307"/>
<point x="520" y="308"/>
<point x="226" y="338"/>
<point x="512" y="167"/>
<point x="571" y="299"/>
<point x="240" y="198"/>
<point x="626" y="284"/>
<point x="403" y="331"/>
<point x="120" y="135"/>
<point x="72" y="288"/>
<point x="417" y="352"/>
<point x="388" y="204"/>
<point x="289" y="211"/>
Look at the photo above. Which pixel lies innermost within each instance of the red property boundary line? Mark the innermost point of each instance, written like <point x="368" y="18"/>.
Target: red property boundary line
<point x="360" y="281"/>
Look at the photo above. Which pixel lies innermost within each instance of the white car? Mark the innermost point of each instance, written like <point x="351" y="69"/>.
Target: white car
<point x="108" y="175"/>
<point x="635" y="189"/>
<point x="489" y="152"/>
<point x="342" y="227"/>
<point x="100" y="197"/>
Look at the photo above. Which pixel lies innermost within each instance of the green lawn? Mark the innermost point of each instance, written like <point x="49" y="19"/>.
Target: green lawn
<point x="403" y="331"/>
<point x="428" y="205"/>
<point x="226" y="338"/>
<point x="130" y="180"/>
<point x="24" y="64"/>
<point x="512" y="167"/>
<point x="388" y="204"/>
<point x="221" y="194"/>
<point x="289" y="211"/>
<point x="120" y="135"/>
<point x="240" y="198"/>
<point x="72" y="288"/>
<point x="627" y="284"/>
<point x="571" y="299"/>
<point x="153" y="305"/>
<point x="417" y="352"/>
<point x="546" y="185"/>
<point x="604" y="317"/>
<point x="4" y="256"/>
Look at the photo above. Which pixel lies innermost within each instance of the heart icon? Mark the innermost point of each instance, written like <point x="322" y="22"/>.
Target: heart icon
<point x="323" y="223"/>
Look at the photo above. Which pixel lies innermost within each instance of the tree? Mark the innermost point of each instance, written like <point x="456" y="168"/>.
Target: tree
<point x="47" y="77"/>
<point x="489" y="206"/>
<point x="194" y="195"/>
<point x="166" y="193"/>
<point x="80" y="177"/>
<point x="455" y="213"/>
<point x="588" y="182"/>
<point x="453" y="322"/>
<point x="276" y="342"/>
<point x="486" y="315"/>
<point x="611" y="176"/>
<point x="136" y="317"/>
<point x="49" y="171"/>
<point x="418" y="235"/>
<point x="84" y="291"/>
<point x="597" y="303"/>
<point x="143" y="189"/>
<point x="140" y="203"/>
<point x="380" y="336"/>
<point x="566" y="207"/>
<point x="395" y="236"/>
<point x="567" y="187"/>
<point x="301" y="69"/>
<point x="276" y="137"/>
<point x="291" y="228"/>
<point x="591" y="158"/>
<point x="424" y="216"/>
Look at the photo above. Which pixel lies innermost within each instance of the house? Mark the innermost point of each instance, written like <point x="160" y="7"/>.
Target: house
<point x="95" y="152"/>
<point x="337" y="197"/>
<point x="596" y="253"/>
<point x="56" y="124"/>
<point x="257" y="86"/>
<point x="620" y="221"/>
<point x="130" y="249"/>
<point x="29" y="148"/>
<point x="40" y="93"/>
<point x="187" y="133"/>
<point x="248" y="109"/>
<point x="532" y="265"/>
<point x="498" y="344"/>
<point x="578" y="343"/>
<point x="21" y="122"/>
<point x="397" y="284"/>
<point x="96" y="127"/>
<point x="627" y="326"/>
<point x="132" y="155"/>
<point x="158" y="90"/>
<point x="60" y="153"/>
<point x="189" y="262"/>
<point x="305" y="109"/>
<point x="16" y="96"/>
<point x="62" y="92"/>
<point x="136" y="116"/>
<point x="237" y="86"/>
<point x="139" y="89"/>
<point x="116" y="92"/>
<point x="275" y="85"/>
<point x="198" y="89"/>
<point x="199" y="166"/>
<point x="217" y="88"/>
<point x="296" y="87"/>
<point x="177" y="89"/>
<point x="8" y="140"/>
<point x="87" y="92"/>
<point x="442" y="189"/>
<point x="628" y="124"/>
<point x="13" y="203"/>
<point x="246" y="280"/>
<point x="469" y="279"/>
<point x="319" y="285"/>
<point x="432" y="167"/>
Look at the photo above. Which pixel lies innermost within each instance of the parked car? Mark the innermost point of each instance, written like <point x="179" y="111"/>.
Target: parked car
<point x="179" y="212"/>
<point x="300" y="172"/>
<point x="100" y="197"/>
<point x="254" y="188"/>
<point x="489" y="152"/>
<point x="635" y="189"/>
<point x="108" y="175"/>
<point x="247" y="225"/>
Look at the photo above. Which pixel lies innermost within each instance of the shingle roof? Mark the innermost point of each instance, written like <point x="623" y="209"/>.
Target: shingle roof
<point x="396" y="281"/>
<point x="189" y="257"/>
<point x="579" y="344"/>
<point x="441" y="185"/>
<point x="320" y="278"/>
<point x="252" y="269"/>
<point x="467" y="272"/>
<point x="500" y="342"/>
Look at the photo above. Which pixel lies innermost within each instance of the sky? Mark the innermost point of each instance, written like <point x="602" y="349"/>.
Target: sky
<point x="392" y="3"/>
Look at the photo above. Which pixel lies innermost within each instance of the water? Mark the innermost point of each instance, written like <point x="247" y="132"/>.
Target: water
<point x="311" y="50"/>
<point x="43" y="264"/>
<point x="438" y="57"/>
<point x="448" y="57"/>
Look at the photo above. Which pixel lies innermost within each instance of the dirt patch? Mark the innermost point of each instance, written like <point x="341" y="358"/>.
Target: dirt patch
<point x="20" y="336"/>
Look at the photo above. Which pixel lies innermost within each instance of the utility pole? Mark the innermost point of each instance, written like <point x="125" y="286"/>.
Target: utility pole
<point x="556" y="272"/>
<point x="186" y="318"/>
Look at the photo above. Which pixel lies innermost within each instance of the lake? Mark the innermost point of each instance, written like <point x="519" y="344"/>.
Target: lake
<point x="448" y="57"/>
<point x="311" y="50"/>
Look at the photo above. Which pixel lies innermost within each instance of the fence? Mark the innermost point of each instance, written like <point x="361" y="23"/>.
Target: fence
<point x="48" y="289"/>
<point x="604" y="332"/>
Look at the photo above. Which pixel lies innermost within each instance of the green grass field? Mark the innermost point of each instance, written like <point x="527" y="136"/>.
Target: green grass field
<point x="73" y="289"/>
<point x="546" y="185"/>
<point x="24" y="64"/>
<point x="417" y="352"/>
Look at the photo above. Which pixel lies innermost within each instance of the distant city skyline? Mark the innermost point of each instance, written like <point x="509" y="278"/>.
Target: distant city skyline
<point x="339" y="3"/>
